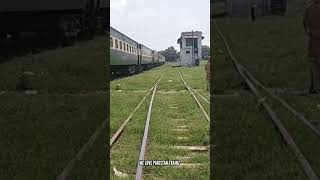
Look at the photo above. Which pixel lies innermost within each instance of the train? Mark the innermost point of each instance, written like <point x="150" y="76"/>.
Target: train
<point x="60" y="18"/>
<point x="129" y="56"/>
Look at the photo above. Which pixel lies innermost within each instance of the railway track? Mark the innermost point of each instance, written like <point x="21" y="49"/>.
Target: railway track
<point x="195" y="98"/>
<point x="252" y="83"/>
<point x="144" y="143"/>
<point x="119" y="132"/>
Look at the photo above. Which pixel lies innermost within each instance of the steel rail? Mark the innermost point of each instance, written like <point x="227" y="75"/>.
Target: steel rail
<point x="283" y="131"/>
<point x="199" y="94"/>
<point x="283" y="103"/>
<point x="66" y="171"/>
<point x="195" y="98"/>
<point x="139" y="171"/>
<point x="123" y="126"/>
<point x="274" y="96"/>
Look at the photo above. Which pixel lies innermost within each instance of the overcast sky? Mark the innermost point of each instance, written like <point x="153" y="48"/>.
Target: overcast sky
<point x="158" y="23"/>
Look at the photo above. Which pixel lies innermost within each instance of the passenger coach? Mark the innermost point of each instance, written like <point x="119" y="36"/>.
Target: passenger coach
<point x="129" y="56"/>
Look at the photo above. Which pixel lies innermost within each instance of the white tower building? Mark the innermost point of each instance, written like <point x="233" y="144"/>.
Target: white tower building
<point x="190" y="48"/>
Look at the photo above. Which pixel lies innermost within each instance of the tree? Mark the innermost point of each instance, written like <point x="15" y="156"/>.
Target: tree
<point x="170" y="53"/>
<point x="205" y="52"/>
<point x="178" y="55"/>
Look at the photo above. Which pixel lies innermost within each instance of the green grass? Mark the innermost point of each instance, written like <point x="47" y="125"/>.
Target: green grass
<point x="304" y="137"/>
<point x="142" y="81"/>
<point x="124" y="102"/>
<point x="218" y="8"/>
<point x="125" y="153"/>
<point x="248" y="146"/>
<point x="45" y="132"/>
<point x="274" y="50"/>
<point x="77" y="68"/>
<point x="41" y="133"/>
<point x="94" y="163"/>
<point x="196" y="78"/>
<point x="172" y="101"/>
<point x="163" y="137"/>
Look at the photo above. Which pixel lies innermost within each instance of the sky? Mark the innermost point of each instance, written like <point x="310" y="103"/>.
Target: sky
<point x="158" y="24"/>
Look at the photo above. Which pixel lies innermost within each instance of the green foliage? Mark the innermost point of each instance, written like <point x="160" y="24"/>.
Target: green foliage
<point x="170" y="53"/>
<point x="205" y="52"/>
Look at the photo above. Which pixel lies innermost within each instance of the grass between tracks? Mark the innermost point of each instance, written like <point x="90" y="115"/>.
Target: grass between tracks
<point x="41" y="133"/>
<point x="274" y="51"/>
<point x="78" y="68"/>
<point x="172" y="102"/>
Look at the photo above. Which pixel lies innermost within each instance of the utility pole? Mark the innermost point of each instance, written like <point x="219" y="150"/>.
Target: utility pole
<point x="192" y="47"/>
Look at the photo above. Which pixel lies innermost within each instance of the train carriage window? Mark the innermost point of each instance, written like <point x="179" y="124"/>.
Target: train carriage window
<point x="124" y="46"/>
<point x="120" y="45"/>
<point x="116" y="43"/>
<point x="111" y="42"/>
<point x="128" y="47"/>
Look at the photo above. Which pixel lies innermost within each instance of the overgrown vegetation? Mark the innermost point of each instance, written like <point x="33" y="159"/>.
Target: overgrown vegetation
<point x="274" y="51"/>
<point x="41" y="132"/>
<point x="173" y="108"/>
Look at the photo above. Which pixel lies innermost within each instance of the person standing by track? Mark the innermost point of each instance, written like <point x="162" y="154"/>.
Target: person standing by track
<point x="207" y="69"/>
<point x="311" y="24"/>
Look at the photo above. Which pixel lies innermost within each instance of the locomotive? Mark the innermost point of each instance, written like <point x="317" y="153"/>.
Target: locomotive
<point x="129" y="56"/>
<point x="64" y="18"/>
